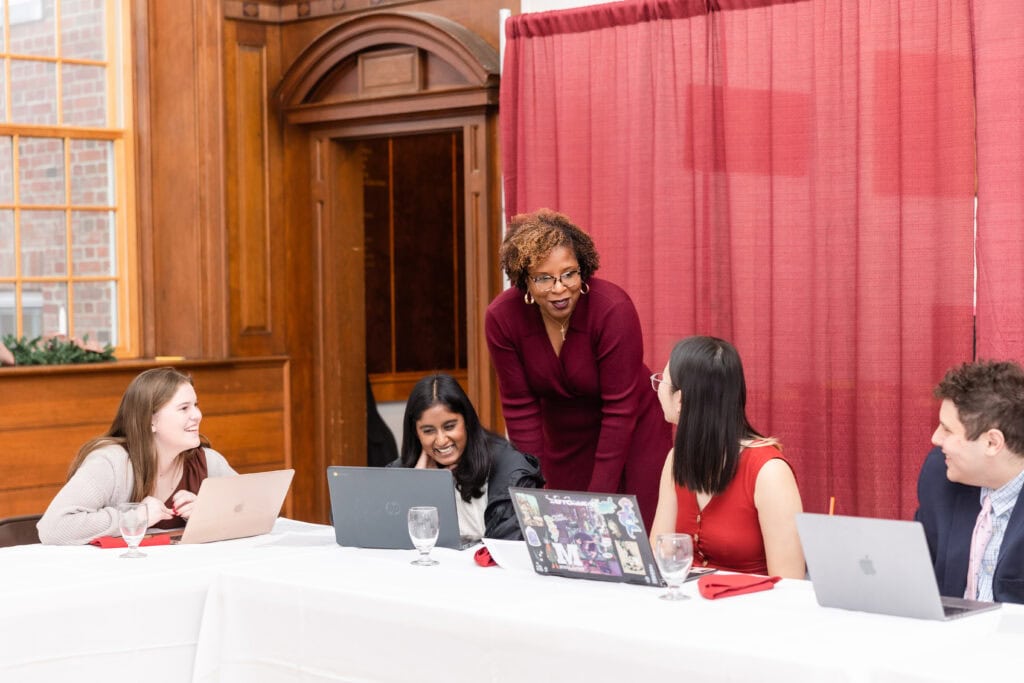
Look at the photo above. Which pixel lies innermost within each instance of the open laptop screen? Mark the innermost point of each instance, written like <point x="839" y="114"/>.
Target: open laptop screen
<point x="585" y="535"/>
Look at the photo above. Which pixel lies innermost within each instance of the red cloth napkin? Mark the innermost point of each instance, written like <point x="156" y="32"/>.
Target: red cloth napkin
<point x="483" y="558"/>
<point x="118" y="542"/>
<point x="715" y="586"/>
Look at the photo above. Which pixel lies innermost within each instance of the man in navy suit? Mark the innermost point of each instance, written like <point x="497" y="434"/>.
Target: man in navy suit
<point x="979" y="455"/>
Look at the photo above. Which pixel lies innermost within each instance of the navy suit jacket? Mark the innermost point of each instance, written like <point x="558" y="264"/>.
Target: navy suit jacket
<point x="948" y="512"/>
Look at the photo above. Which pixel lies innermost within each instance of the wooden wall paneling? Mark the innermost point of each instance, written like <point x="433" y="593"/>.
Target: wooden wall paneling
<point x="344" y="305"/>
<point x="303" y="163"/>
<point x="254" y="281"/>
<point x="142" y="92"/>
<point x="185" y="118"/>
<point x="483" y="276"/>
<point x="246" y="407"/>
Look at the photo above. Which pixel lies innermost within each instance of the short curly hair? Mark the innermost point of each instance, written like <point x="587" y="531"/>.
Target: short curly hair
<point x="988" y="395"/>
<point x="532" y="236"/>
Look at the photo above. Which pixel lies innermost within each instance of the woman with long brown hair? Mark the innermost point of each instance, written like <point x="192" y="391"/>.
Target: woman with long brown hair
<point x="153" y="453"/>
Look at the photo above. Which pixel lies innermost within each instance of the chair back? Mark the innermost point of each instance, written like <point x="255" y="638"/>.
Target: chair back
<point x="19" y="530"/>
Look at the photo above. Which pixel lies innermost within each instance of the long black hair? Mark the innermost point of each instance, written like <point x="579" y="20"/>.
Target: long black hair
<point x="474" y="465"/>
<point x="712" y="421"/>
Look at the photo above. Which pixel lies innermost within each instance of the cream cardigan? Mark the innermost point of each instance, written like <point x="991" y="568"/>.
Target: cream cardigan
<point x="86" y="507"/>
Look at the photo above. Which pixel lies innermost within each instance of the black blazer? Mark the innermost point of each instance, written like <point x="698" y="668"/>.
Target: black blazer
<point x="948" y="512"/>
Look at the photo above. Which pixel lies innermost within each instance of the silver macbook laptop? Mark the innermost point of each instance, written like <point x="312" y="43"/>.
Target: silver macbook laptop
<point x="876" y="565"/>
<point x="236" y="507"/>
<point x="370" y="505"/>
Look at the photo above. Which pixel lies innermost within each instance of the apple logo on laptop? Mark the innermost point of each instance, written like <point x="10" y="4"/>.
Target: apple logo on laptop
<point x="393" y="508"/>
<point x="239" y="508"/>
<point x="867" y="566"/>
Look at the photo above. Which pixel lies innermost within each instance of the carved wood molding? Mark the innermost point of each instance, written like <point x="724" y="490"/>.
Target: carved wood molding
<point x="463" y="50"/>
<point x="286" y="11"/>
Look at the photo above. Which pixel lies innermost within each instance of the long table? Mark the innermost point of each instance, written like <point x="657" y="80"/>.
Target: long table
<point x="293" y="606"/>
<point x="365" y="615"/>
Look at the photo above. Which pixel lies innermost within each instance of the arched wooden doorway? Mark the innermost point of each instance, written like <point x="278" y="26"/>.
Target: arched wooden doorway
<point x="387" y="75"/>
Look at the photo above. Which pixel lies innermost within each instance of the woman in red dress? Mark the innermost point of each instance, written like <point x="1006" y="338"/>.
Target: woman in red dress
<point x="723" y="483"/>
<point x="568" y="351"/>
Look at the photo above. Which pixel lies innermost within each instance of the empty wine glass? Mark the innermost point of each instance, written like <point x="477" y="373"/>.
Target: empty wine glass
<point x="423" y="528"/>
<point x="674" y="555"/>
<point x="133" y="520"/>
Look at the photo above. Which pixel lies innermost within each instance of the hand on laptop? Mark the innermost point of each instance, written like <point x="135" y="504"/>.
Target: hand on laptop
<point x="156" y="510"/>
<point x="183" y="503"/>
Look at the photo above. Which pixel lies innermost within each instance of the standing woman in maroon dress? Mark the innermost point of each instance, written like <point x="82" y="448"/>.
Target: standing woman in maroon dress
<point x="568" y="351"/>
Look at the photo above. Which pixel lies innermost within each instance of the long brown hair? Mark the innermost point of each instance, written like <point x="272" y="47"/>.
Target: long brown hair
<point x="132" y="427"/>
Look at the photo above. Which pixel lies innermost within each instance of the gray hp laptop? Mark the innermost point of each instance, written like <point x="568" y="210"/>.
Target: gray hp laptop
<point x="876" y="565"/>
<point x="370" y="505"/>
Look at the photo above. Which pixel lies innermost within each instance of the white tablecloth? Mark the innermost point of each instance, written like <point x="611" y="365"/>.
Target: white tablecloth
<point x="364" y="615"/>
<point x="83" y="614"/>
<point x="293" y="606"/>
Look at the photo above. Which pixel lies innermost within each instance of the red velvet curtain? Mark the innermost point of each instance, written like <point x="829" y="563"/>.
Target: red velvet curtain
<point x="795" y="177"/>
<point x="999" y="60"/>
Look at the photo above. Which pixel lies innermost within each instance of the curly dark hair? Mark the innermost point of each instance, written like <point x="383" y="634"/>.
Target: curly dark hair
<point x="532" y="236"/>
<point x="988" y="395"/>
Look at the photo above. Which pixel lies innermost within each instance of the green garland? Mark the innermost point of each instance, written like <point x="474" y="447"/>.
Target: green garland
<point x="55" y="351"/>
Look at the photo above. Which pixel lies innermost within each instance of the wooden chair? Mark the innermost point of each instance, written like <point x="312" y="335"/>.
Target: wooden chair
<point x="19" y="530"/>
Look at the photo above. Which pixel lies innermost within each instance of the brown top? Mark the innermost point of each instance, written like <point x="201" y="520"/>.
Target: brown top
<point x="194" y="470"/>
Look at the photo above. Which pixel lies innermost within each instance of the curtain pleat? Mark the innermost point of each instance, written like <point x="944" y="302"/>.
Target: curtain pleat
<point x="999" y="60"/>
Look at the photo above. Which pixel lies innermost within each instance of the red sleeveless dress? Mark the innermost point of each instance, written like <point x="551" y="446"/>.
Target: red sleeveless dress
<point x="727" y="532"/>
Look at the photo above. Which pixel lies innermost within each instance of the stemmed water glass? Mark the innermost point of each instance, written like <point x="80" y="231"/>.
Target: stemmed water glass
<point x="423" y="528"/>
<point x="133" y="520"/>
<point x="674" y="555"/>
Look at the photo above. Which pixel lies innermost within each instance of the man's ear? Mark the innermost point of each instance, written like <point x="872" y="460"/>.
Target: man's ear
<point x="994" y="441"/>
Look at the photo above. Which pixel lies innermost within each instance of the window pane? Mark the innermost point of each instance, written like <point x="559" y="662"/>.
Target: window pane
<point x="7" y="319"/>
<point x="33" y="92"/>
<point x="43" y="244"/>
<point x="41" y="171"/>
<point x="95" y="312"/>
<point x="8" y="325"/>
<point x="6" y="171"/>
<point x="83" y="29"/>
<point x="6" y="243"/>
<point x="33" y="28"/>
<point x="92" y="172"/>
<point x="44" y="308"/>
<point x="85" y="95"/>
<point x="92" y="244"/>
<point x="3" y="86"/>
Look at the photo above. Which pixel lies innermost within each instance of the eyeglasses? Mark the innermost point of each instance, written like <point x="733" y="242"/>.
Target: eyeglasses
<point x="547" y="282"/>
<point x="658" y="378"/>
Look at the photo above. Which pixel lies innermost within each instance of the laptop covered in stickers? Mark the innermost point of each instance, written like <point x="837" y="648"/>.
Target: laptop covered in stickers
<point x="586" y="535"/>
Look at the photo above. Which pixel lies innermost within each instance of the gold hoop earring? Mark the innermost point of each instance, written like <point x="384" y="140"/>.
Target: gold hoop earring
<point x="528" y="298"/>
<point x="585" y="288"/>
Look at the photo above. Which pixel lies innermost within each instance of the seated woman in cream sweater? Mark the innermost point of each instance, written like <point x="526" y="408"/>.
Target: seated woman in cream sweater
<point x="153" y="453"/>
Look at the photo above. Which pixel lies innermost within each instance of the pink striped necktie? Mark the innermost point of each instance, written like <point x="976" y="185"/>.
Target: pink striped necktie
<point x="979" y="540"/>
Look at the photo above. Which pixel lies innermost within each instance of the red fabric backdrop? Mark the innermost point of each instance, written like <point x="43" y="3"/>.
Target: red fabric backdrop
<point x="797" y="178"/>
<point x="999" y="60"/>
